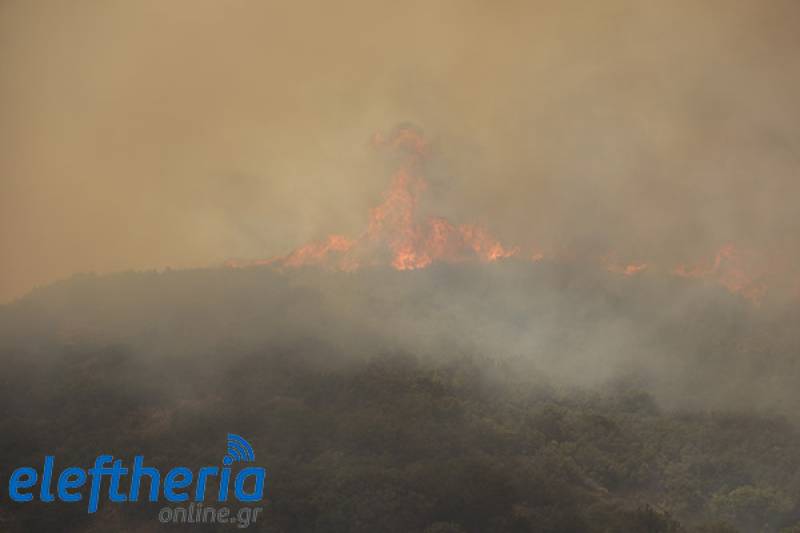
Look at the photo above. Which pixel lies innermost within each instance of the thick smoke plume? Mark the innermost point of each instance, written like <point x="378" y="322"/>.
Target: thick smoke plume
<point x="160" y="134"/>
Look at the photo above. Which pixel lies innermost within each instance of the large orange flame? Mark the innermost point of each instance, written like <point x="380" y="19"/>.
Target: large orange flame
<point x="398" y="235"/>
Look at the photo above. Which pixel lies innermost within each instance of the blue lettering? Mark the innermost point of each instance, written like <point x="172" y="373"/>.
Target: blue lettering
<point x="22" y="478"/>
<point x="97" y="472"/>
<point x="136" y="480"/>
<point x="202" y="476"/>
<point x="258" y="490"/>
<point x="224" y="481"/>
<point x="177" y="478"/>
<point x="45" y="494"/>
<point x="117" y="471"/>
<point x="71" y="478"/>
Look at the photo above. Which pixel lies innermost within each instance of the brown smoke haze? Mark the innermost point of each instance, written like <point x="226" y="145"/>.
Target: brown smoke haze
<point x="151" y="134"/>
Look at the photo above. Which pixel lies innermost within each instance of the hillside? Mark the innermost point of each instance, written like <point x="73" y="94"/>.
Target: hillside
<point x="459" y="398"/>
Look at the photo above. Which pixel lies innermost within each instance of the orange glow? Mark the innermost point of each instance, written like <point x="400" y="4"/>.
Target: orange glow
<point x="740" y="272"/>
<point x="400" y="236"/>
<point x="397" y="228"/>
<point x="627" y="269"/>
<point x="318" y="252"/>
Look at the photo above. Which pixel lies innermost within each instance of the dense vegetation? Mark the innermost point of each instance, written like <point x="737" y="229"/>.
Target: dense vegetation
<point x="388" y="441"/>
<point x="397" y="445"/>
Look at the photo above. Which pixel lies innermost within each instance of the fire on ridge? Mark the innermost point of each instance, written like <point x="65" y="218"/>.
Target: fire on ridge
<point x="398" y="236"/>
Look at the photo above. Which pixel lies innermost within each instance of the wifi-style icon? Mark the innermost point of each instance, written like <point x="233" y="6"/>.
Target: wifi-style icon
<point x="239" y="451"/>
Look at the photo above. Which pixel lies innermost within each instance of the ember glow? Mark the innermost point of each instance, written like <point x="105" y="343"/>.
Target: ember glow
<point x="626" y="269"/>
<point x="740" y="272"/>
<point x="400" y="236"/>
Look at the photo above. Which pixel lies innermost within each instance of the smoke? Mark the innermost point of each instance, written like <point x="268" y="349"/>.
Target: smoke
<point x="147" y="135"/>
<point x="692" y="345"/>
<point x="183" y="134"/>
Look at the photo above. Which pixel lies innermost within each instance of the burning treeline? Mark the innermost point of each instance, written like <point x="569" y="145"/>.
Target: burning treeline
<point x="400" y="235"/>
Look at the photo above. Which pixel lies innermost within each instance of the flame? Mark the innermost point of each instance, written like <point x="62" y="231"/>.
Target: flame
<point x="740" y="272"/>
<point x="630" y="269"/>
<point x="318" y="252"/>
<point x="400" y="236"/>
<point x="396" y="226"/>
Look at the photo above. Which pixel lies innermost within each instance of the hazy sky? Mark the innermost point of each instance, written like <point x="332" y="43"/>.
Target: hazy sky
<point x="149" y="134"/>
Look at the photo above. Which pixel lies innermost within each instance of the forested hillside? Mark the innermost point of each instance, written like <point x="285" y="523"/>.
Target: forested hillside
<point x="376" y="404"/>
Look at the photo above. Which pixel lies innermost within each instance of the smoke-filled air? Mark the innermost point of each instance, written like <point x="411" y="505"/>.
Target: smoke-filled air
<point x="437" y="267"/>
